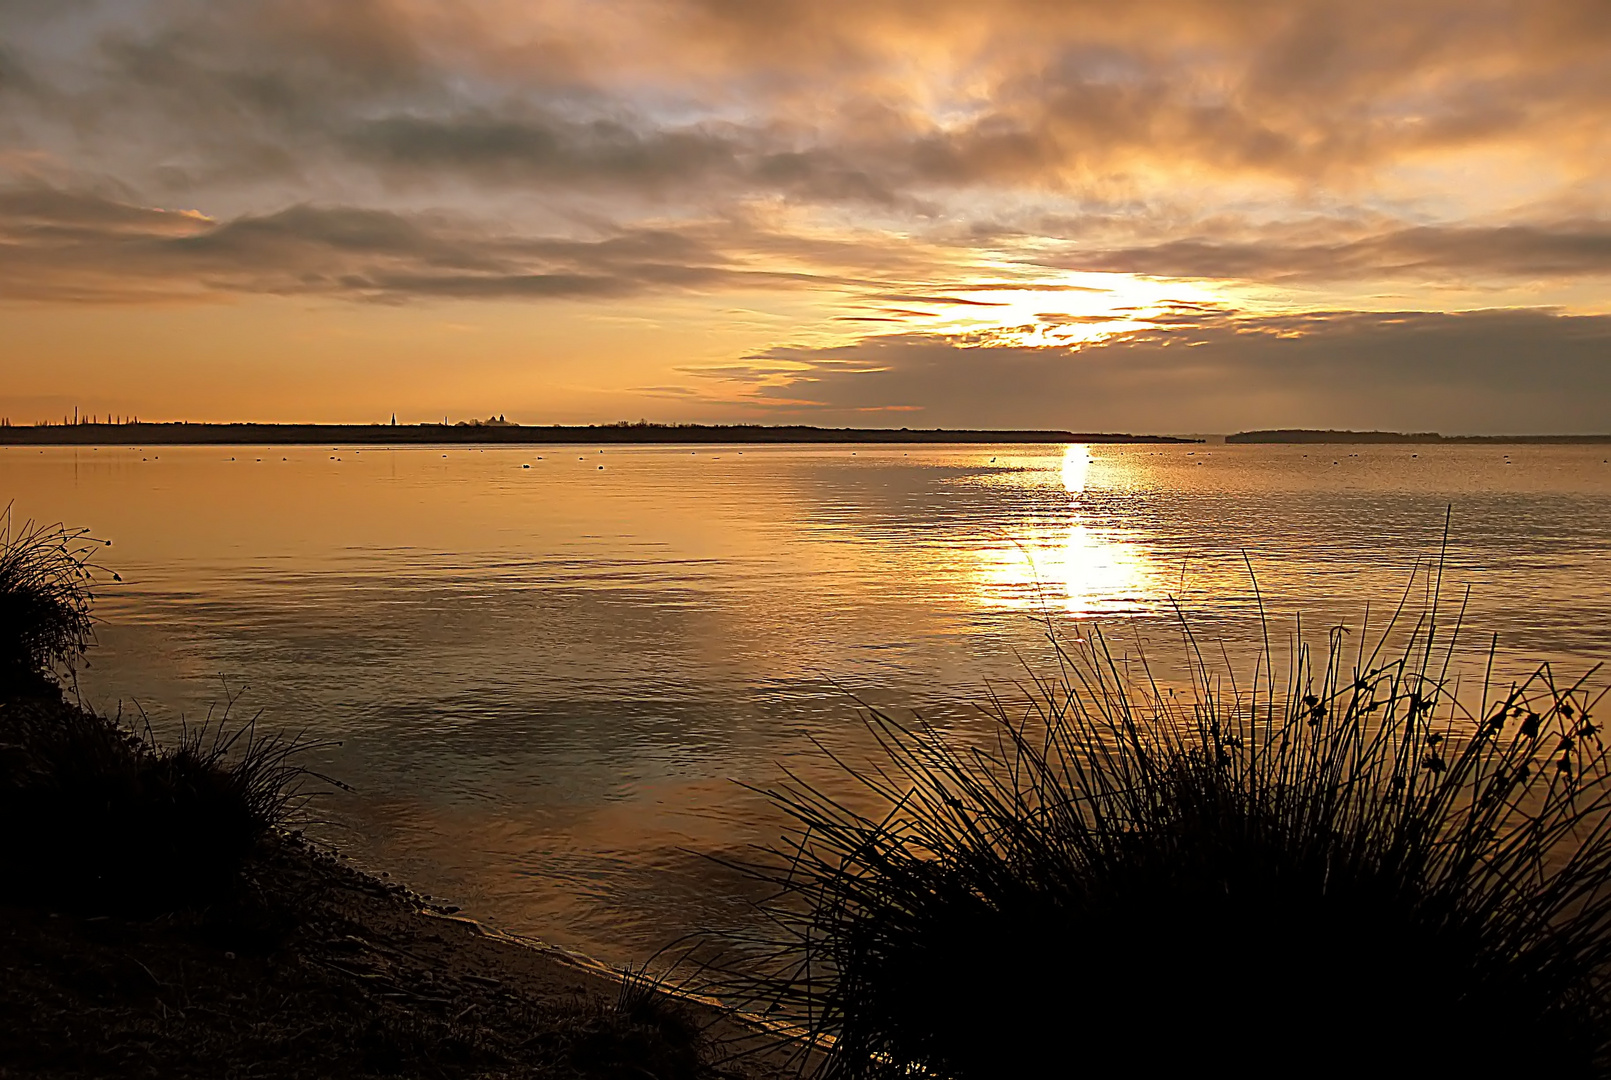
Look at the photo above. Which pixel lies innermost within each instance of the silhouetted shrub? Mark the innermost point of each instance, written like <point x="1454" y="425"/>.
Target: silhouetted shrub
<point x="46" y="575"/>
<point x="97" y="816"/>
<point x="102" y="820"/>
<point x="1348" y="869"/>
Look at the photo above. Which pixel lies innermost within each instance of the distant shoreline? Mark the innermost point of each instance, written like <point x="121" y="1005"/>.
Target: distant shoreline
<point x="495" y="434"/>
<point x="483" y="434"/>
<point x="1306" y="436"/>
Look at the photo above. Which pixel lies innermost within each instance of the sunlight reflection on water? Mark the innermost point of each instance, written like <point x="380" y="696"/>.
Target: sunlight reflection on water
<point x="1070" y="567"/>
<point x="544" y="678"/>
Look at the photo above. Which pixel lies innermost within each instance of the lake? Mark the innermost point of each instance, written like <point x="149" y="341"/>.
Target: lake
<point x="550" y="669"/>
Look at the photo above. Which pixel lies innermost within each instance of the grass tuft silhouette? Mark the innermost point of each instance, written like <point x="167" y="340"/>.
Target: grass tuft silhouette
<point x="112" y="822"/>
<point x="47" y="574"/>
<point x="1343" y="865"/>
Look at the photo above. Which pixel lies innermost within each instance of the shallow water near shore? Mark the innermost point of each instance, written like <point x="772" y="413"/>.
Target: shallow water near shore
<point x="547" y="666"/>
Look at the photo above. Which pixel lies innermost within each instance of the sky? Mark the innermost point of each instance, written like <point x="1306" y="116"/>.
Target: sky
<point x="1170" y="216"/>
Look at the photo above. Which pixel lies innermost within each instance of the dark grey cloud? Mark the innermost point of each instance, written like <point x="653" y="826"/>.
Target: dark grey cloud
<point x="1058" y="97"/>
<point x="68" y="246"/>
<point x="1564" y="249"/>
<point x="519" y="145"/>
<point x="292" y="94"/>
<point x="1485" y="371"/>
<point x="538" y="148"/>
<point x="14" y="77"/>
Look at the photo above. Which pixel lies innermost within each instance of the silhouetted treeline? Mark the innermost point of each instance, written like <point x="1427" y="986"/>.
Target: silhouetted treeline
<point x="483" y="434"/>
<point x="1307" y="435"/>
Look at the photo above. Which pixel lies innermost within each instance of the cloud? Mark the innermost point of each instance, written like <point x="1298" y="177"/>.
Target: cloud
<point x="887" y="101"/>
<point x="538" y="148"/>
<point x="518" y="145"/>
<point x="1212" y="370"/>
<point x="14" y="77"/>
<point x="65" y="246"/>
<point x="86" y="247"/>
<point x="1558" y="250"/>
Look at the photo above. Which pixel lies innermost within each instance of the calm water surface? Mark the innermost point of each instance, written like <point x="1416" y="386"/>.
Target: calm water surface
<point x="546" y="666"/>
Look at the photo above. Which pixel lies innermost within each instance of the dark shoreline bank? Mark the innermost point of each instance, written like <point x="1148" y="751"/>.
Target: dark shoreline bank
<point x="296" y="964"/>
<point x="482" y="434"/>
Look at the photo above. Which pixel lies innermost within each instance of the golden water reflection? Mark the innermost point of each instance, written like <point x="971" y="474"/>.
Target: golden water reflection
<point x="542" y="676"/>
<point x="1068" y="566"/>
<point x="1075" y="569"/>
<point x="1076" y="467"/>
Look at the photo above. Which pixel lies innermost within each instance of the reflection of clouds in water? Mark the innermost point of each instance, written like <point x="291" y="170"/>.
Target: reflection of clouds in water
<point x="1070" y="566"/>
